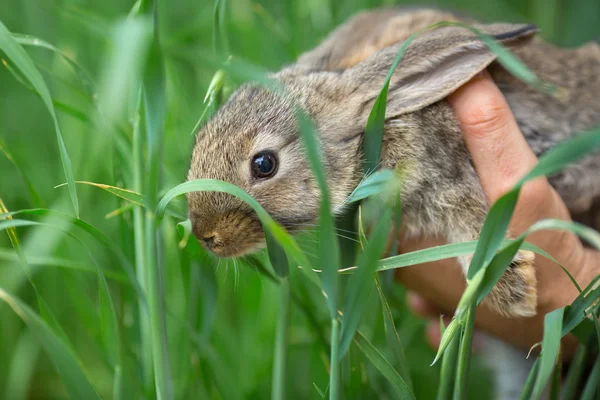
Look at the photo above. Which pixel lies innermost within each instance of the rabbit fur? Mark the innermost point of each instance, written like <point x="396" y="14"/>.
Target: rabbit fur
<point x="337" y="84"/>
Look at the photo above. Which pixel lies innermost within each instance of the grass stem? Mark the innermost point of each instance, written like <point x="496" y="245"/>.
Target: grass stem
<point x="464" y="354"/>
<point x="281" y="342"/>
<point x="447" y="373"/>
<point x="334" y="375"/>
<point x="140" y="262"/>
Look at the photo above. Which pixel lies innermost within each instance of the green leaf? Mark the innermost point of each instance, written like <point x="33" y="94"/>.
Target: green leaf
<point x="35" y="197"/>
<point x="373" y="184"/>
<point x="327" y="245"/>
<point x="591" y="386"/>
<point x="279" y="386"/>
<point x="126" y="194"/>
<point x="22" y="60"/>
<point x="464" y="354"/>
<point x="277" y="256"/>
<point x="69" y="367"/>
<point x="451" y="330"/>
<point x="84" y="78"/>
<point x="55" y="262"/>
<point x="503" y="258"/>
<point x="108" y="320"/>
<point x="108" y="316"/>
<point x="393" y="339"/>
<point x="565" y="153"/>
<point x="500" y="214"/>
<point x="577" y="312"/>
<point x="131" y="196"/>
<point x="376" y="121"/>
<point x="95" y="233"/>
<point x="449" y="362"/>
<point x="9" y="225"/>
<point x="550" y="347"/>
<point x="22" y="366"/>
<point x="123" y="66"/>
<point x="152" y="108"/>
<point x="443" y="252"/>
<point x="360" y="283"/>
<point x="283" y="238"/>
<point x="528" y="387"/>
<point x="401" y="389"/>
<point x="576" y="369"/>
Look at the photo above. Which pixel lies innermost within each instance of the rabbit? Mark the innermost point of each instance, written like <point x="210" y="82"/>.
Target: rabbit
<point x="254" y="143"/>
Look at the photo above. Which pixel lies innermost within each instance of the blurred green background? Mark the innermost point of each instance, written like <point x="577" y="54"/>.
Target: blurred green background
<point x="232" y="308"/>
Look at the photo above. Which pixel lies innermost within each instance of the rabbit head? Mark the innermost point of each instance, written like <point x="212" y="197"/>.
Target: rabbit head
<point x="253" y="141"/>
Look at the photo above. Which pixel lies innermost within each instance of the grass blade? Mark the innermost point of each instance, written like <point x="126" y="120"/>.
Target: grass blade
<point x="451" y="331"/>
<point x="281" y="341"/>
<point x="376" y="121"/>
<point x="96" y="234"/>
<point x="22" y="60"/>
<point x="373" y="184"/>
<point x="528" y="387"/>
<point x="109" y="324"/>
<point x="591" y="386"/>
<point x="360" y="283"/>
<point x="84" y="78"/>
<point x="334" y="364"/>
<point x="464" y="354"/>
<point x="126" y="194"/>
<point x="496" y="223"/>
<point x="22" y="367"/>
<point x="64" y="359"/>
<point x="35" y="197"/>
<point x="10" y="224"/>
<point x="401" y="389"/>
<point x="550" y="348"/>
<point x="443" y="252"/>
<point x="63" y="263"/>
<point x="152" y="108"/>
<point x="393" y="339"/>
<point x="503" y="258"/>
<point x="280" y="235"/>
<point x="576" y="369"/>
<point x="328" y="246"/>
<point x="448" y="371"/>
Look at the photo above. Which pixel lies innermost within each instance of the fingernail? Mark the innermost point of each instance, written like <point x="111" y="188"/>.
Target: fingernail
<point x="433" y="334"/>
<point x="416" y="303"/>
<point x="477" y="341"/>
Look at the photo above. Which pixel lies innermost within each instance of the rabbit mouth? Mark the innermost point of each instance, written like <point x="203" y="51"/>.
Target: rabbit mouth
<point x="232" y="247"/>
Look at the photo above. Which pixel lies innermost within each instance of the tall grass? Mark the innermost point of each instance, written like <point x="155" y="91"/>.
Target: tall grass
<point x="124" y="305"/>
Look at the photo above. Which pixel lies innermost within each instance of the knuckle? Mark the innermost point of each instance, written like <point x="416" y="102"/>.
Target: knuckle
<point x="536" y="202"/>
<point x="487" y="117"/>
<point x="536" y="194"/>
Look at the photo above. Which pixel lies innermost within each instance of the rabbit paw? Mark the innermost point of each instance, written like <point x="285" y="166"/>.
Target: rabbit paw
<point x="515" y="293"/>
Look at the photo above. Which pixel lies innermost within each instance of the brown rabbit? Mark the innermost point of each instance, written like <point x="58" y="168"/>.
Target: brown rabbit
<point x="253" y="140"/>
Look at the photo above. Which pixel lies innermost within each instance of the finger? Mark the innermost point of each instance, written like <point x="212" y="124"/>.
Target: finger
<point x="420" y="306"/>
<point x="433" y="336"/>
<point x="433" y="333"/>
<point x="498" y="149"/>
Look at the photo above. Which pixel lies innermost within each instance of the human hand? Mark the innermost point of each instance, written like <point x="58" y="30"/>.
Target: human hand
<point x="501" y="157"/>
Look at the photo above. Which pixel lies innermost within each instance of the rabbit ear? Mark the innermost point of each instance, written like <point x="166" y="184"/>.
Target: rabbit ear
<point x="434" y="65"/>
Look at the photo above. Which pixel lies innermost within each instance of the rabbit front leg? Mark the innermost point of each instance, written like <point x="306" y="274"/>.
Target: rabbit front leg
<point x="442" y="196"/>
<point x="515" y="293"/>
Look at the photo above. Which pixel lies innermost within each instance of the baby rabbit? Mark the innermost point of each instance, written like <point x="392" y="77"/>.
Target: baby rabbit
<point x="253" y="140"/>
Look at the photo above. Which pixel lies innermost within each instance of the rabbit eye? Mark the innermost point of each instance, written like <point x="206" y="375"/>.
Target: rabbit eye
<point x="264" y="165"/>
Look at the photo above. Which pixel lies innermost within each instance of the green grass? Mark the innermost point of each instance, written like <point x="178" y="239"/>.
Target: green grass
<point x="100" y="295"/>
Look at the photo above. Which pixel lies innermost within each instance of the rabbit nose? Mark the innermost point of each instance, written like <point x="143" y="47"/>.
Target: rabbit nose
<point x="209" y="241"/>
